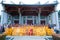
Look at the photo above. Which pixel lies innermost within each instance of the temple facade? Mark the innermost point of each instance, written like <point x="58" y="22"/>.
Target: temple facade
<point x="30" y="14"/>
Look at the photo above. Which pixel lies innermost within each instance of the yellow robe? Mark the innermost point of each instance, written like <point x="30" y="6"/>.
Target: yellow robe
<point x="8" y="31"/>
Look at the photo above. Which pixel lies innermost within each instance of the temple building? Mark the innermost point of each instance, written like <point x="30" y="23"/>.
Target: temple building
<point x="34" y="14"/>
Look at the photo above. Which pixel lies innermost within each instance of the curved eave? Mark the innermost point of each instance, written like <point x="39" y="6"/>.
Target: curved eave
<point x="30" y="4"/>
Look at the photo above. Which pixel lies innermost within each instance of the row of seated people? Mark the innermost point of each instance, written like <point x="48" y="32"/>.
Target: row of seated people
<point x="28" y="30"/>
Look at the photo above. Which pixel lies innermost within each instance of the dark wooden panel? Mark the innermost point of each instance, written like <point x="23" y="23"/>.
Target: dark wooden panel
<point x="34" y="10"/>
<point x="29" y="13"/>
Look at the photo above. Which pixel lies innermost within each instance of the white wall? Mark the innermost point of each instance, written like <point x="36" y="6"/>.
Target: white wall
<point x="54" y="17"/>
<point x="57" y="22"/>
<point x="4" y="18"/>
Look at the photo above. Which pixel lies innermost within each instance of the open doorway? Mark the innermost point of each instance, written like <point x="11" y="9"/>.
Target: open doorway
<point x="29" y="22"/>
<point x="16" y="21"/>
<point x="43" y="22"/>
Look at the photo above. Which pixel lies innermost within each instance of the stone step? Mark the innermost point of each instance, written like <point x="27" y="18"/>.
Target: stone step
<point x="28" y="37"/>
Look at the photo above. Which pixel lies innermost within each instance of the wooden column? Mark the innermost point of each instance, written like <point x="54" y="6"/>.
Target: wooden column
<point x="39" y="15"/>
<point x="20" y="21"/>
<point x="33" y="19"/>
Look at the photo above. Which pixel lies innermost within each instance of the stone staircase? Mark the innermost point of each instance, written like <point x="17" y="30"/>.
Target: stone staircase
<point x="28" y="37"/>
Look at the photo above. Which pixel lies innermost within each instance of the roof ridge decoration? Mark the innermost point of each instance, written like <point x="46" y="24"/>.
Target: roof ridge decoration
<point x="21" y="3"/>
